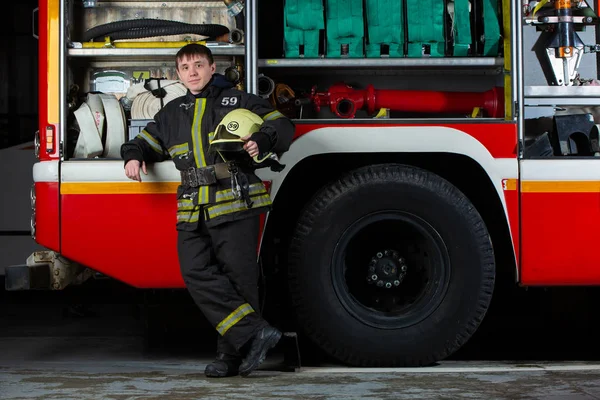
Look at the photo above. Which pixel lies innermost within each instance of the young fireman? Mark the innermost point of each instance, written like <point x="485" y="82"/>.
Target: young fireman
<point x="217" y="225"/>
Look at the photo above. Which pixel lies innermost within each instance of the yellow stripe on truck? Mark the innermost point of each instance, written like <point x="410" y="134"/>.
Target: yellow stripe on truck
<point x="560" y="186"/>
<point x="552" y="186"/>
<point x="119" y="188"/>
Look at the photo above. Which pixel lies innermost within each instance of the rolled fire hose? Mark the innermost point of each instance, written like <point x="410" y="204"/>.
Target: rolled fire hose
<point x="145" y="103"/>
<point x="102" y="127"/>
<point x="89" y="142"/>
<point x="116" y="126"/>
<point x="97" y="108"/>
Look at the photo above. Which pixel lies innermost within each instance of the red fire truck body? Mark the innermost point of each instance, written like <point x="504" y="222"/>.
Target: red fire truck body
<point x="465" y="184"/>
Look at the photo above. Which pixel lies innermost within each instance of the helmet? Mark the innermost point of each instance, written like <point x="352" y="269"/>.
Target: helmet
<point x="233" y="127"/>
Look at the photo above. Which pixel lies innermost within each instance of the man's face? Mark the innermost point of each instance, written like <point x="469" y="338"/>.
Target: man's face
<point x="195" y="72"/>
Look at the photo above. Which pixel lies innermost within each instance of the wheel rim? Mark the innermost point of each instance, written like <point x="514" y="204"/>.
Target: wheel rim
<point x="391" y="269"/>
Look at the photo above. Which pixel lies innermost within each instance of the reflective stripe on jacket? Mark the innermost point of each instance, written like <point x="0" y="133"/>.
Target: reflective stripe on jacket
<point x="181" y="131"/>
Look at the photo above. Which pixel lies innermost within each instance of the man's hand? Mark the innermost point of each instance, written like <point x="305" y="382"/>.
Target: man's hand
<point x="251" y="147"/>
<point x="132" y="170"/>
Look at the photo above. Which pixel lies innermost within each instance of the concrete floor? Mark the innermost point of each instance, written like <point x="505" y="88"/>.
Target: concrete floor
<point x="51" y="348"/>
<point x="121" y="367"/>
<point x="111" y="376"/>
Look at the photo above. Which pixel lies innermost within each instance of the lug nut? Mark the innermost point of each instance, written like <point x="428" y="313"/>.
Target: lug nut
<point x="396" y="283"/>
<point x="374" y="277"/>
<point x="379" y="255"/>
<point x="401" y="260"/>
<point x="403" y="268"/>
<point x="380" y="283"/>
<point x="388" y="285"/>
<point x="371" y="269"/>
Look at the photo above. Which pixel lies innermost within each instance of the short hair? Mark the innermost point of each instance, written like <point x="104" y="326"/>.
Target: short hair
<point x="193" y="49"/>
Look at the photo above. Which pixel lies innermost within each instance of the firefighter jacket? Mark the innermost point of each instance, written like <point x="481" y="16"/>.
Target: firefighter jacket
<point x="181" y="131"/>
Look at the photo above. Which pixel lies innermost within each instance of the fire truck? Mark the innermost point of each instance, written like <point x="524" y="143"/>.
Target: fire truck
<point x="441" y="147"/>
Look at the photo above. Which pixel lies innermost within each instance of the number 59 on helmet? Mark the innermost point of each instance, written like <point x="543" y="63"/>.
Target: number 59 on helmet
<point x="233" y="127"/>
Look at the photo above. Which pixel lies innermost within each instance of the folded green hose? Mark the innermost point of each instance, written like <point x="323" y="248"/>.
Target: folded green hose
<point x="385" y="26"/>
<point x="302" y="21"/>
<point x="345" y="28"/>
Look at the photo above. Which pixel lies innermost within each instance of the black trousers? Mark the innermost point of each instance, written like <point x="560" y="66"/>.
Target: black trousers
<point x="219" y="267"/>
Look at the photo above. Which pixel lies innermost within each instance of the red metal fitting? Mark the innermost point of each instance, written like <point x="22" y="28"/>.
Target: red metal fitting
<point x="344" y="101"/>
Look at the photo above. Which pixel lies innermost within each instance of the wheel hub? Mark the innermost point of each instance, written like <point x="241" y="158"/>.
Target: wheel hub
<point x="386" y="269"/>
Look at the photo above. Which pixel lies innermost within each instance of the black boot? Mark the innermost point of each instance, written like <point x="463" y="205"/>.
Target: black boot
<point x="223" y="366"/>
<point x="264" y="340"/>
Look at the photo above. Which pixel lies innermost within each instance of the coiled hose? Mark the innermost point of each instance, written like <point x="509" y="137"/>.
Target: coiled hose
<point x="142" y="28"/>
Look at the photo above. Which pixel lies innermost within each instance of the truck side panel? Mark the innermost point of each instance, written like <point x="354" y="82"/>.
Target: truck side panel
<point x="121" y="228"/>
<point x="47" y="210"/>
<point x="560" y="207"/>
<point x="45" y="172"/>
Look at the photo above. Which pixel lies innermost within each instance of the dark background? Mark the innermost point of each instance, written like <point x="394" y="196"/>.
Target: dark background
<point x="18" y="73"/>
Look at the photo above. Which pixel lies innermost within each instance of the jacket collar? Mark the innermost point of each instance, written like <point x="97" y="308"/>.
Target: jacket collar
<point x="212" y="89"/>
<point x="208" y="91"/>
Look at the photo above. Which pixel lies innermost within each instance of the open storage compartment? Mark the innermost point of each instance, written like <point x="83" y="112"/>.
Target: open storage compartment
<point x="378" y="62"/>
<point x="120" y="65"/>
<point x="370" y="60"/>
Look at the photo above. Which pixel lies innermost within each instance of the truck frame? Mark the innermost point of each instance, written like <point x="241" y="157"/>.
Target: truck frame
<point x="416" y="180"/>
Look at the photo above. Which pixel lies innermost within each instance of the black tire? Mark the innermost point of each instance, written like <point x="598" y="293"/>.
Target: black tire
<point x="423" y="221"/>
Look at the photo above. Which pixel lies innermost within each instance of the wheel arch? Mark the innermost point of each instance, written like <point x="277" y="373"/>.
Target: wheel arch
<point x="313" y="172"/>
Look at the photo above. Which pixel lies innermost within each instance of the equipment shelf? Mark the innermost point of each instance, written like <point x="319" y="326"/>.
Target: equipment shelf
<point x="149" y="52"/>
<point x="466" y="62"/>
